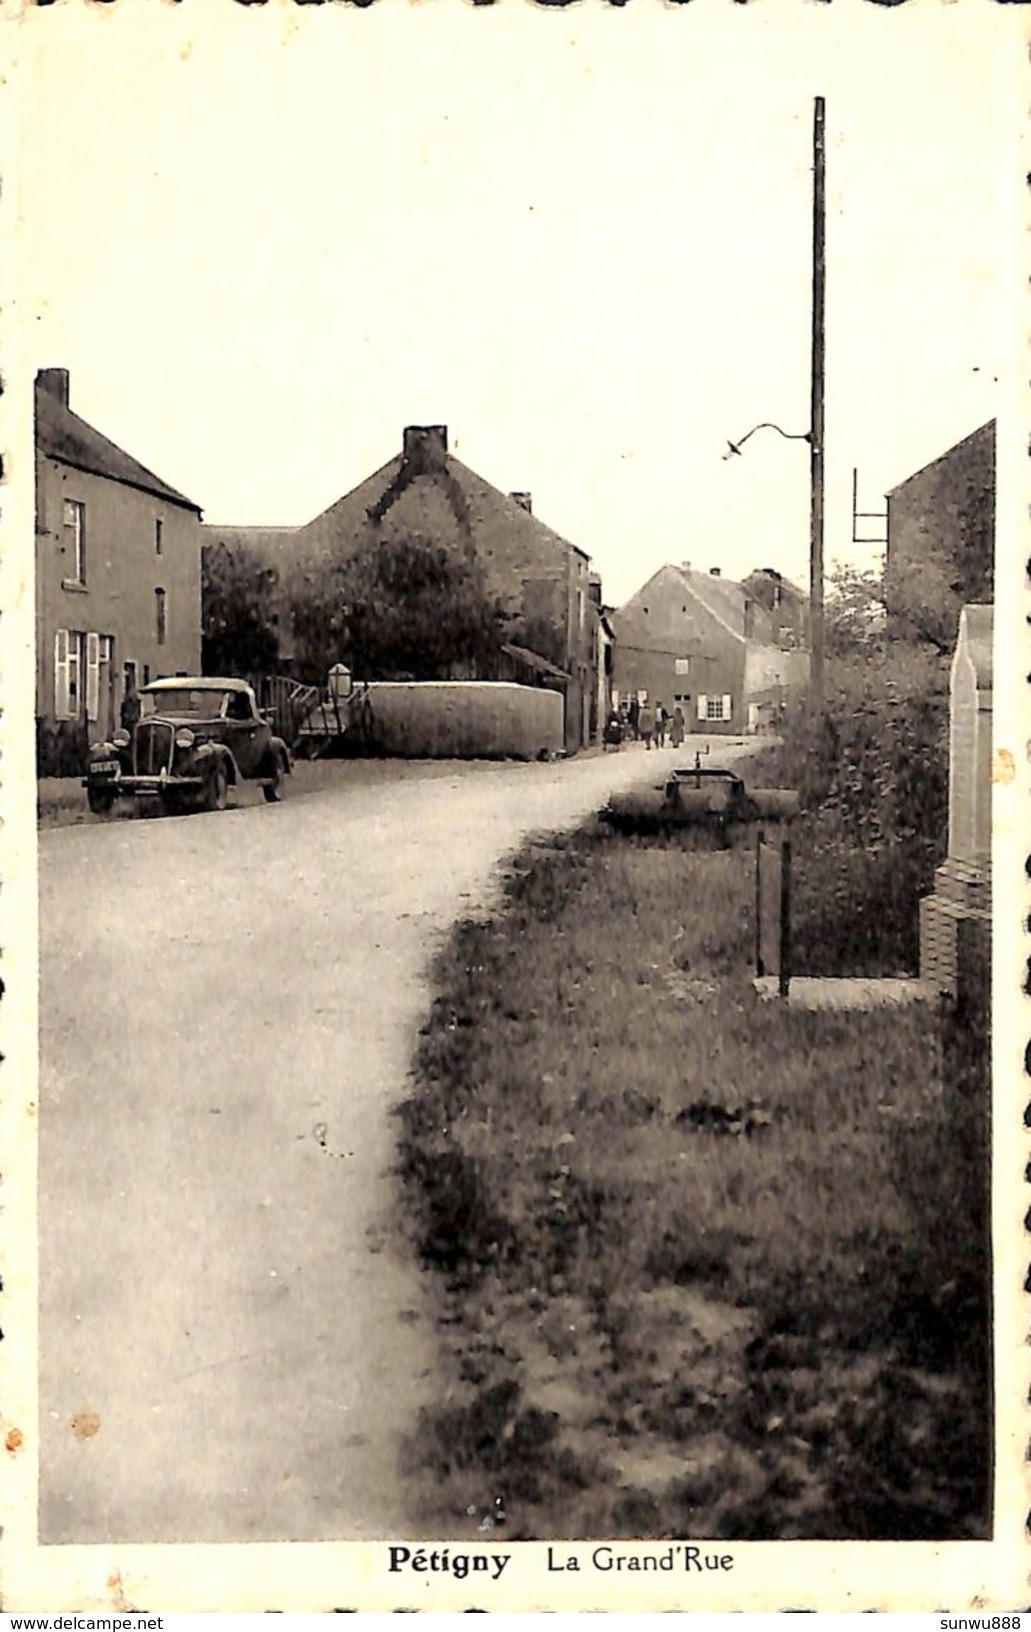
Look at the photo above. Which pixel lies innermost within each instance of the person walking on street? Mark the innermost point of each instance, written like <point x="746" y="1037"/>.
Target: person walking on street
<point x="661" y="718"/>
<point x="634" y="716"/>
<point x="676" y="734"/>
<point x="646" y="724"/>
<point x="131" y="708"/>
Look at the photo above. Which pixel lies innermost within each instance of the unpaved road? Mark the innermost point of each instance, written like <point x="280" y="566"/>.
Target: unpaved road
<point x="233" y="1341"/>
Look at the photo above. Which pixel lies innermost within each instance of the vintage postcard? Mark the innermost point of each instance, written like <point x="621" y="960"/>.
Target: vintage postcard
<point x="514" y="797"/>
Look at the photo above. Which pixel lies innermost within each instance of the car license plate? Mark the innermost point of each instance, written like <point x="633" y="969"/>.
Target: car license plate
<point x="105" y="767"/>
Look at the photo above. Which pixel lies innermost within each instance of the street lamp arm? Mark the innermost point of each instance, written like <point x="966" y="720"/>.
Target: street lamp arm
<point x="767" y="425"/>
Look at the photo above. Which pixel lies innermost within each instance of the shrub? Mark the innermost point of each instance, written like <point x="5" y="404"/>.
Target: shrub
<point x="62" y="749"/>
<point x="873" y="776"/>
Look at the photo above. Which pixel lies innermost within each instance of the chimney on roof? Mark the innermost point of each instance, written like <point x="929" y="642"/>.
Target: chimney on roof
<point x="685" y="566"/>
<point x="715" y="572"/>
<point x="425" y="448"/>
<point x="524" y="501"/>
<point x="55" y="382"/>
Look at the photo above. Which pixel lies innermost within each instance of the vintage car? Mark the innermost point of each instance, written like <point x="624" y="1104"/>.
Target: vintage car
<point x="716" y="798"/>
<point x="194" y="740"/>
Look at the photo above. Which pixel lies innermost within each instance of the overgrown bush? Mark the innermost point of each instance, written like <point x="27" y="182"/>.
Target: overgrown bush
<point x="62" y="749"/>
<point x="873" y="775"/>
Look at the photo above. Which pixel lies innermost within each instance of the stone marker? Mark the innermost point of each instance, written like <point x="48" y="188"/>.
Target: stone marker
<point x="955" y="922"/>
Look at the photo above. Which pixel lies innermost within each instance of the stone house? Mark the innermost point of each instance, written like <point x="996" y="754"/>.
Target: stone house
<point x="941" y="541"/>
<point x="704" y="642"/>
<point x="540" y="579"/>
<point x="117" y="573"/>
<point x="787" y="605"/>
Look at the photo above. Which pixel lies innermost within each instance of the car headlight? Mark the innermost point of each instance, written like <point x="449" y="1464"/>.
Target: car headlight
<point x="184" y="738"/>
<point x="121" y="738"/>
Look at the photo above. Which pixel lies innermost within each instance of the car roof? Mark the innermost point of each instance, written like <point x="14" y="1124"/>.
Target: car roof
<point x="193" y="682"/>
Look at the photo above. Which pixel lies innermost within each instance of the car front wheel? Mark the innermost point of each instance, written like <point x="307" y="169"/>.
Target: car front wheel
<point x="273" y="788"/>
<point x="99" y="801"/>
<point x="216" y="788"/>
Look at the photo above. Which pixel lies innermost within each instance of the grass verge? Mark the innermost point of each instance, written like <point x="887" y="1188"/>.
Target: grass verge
<point x="706" y="1266"/>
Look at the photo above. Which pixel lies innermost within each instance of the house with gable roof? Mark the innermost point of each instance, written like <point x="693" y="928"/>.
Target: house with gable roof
<point x="540" y="580"/>
<point x="940" y="552"/>
<point x="118" y="597"/>
<point x="704" y="642"/>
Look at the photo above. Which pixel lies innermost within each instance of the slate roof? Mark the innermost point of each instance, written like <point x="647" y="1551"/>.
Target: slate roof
<point x="534" y="661"/>
<point x="62" y="435"/>
<point x="495" y="523"/>
<point x="722" y="597"/>
<point x="271" y="545"/>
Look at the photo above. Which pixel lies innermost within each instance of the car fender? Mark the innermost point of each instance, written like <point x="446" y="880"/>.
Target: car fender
<point x="278" y="748"/>
<point x="209" y="751"/>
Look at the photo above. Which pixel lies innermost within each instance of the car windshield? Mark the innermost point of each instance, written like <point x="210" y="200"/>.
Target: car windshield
<point x="195" y="704"/>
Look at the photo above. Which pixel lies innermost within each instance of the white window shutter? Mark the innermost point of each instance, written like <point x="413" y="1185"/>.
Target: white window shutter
<point x="92" y="677"/>
<point x="61" y="706"/>
<point x="727" y="709"/>
<point x="703" y="705"/>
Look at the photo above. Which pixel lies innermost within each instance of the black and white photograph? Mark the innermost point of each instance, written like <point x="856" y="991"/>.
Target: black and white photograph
<point x="515" y="536"/>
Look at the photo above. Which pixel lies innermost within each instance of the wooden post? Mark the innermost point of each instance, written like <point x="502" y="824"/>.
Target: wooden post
<point x="785" y="913"/>
<point x="816" y="621"/>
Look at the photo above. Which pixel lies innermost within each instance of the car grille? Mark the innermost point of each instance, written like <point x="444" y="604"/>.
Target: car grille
<point x="154" y="741"/>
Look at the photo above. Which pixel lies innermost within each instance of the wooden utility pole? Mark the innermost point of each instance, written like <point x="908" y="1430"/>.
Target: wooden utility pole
<point x="816" y="621"/>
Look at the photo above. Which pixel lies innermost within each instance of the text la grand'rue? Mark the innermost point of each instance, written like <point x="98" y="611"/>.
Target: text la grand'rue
<point x="678" y="1554"/>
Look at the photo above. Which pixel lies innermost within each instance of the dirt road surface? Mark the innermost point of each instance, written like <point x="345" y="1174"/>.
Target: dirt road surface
<point x="233" y="1339"/>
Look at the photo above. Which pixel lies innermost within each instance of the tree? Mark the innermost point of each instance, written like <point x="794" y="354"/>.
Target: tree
<point x="398" y="608"/>
<point x="238" y="611"/>
<point x="854" y="609"/>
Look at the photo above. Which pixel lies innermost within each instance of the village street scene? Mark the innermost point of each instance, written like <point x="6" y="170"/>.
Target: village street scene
<point x="515" y="899"/>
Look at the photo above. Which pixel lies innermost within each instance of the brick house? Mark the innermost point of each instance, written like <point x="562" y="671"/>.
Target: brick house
<point x="117" y="574"/>
<point x="941" y="541"/>
<point x="541" y="581"/>
<point x="704" y="642"/>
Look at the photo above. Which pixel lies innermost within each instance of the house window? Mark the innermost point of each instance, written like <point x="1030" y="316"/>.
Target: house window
<point x="74" y="528"/>
<point x="78" y="659"/>
<point x="158" y="529"/>
<point x="682" y="665"/>
<point x="91" y="676"/>
<point x="161" y="615"/>
<point x="106" y="681"/>
<point x="66" y="673"/>
<point x="714" y="707"/>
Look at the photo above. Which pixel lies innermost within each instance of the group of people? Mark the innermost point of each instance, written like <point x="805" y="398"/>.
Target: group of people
<point x="645" y="722"/>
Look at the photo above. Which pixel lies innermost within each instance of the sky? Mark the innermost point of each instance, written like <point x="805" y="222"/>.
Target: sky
<point x="263" y="240"/>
